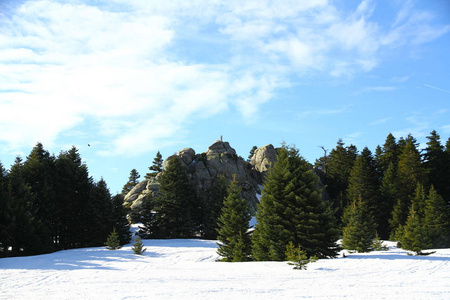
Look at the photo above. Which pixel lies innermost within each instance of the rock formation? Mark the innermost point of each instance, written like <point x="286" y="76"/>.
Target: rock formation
<point x="219" y="160"/>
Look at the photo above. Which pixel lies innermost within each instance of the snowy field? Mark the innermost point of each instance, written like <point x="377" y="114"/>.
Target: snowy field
<point x="187" y="269"/>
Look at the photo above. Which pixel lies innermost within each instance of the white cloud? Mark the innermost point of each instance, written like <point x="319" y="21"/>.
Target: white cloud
<point x="117" y="63"/>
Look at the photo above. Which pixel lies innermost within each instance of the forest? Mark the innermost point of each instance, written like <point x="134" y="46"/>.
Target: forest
<point x="400" y="192"/>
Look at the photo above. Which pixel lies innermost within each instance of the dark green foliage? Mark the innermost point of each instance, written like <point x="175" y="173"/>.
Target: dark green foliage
<point x="359" y="230"/>
<point x="156" y="167"/>
<point x="138" y="246"/>
<point x="252" y="151"/>
<point x="436" y="164"/>
<point x="113" y="241"/>
<point x="4" y="212"/>
<point x="414" y="235"/>
<point x="132" y="181"/>
<point x="297" y="257"/>
<point x="436" y="220"/>
<point x="339" y="165"/>
<point x="119" y="219"/>
<point x="292" y="209"/>
<point x="410" y="174"/>
<point x="388" y="154"/>
<point x="388" y="197"/>
<point x="211" y="206"/>
<point x="177" y="213"/>
<point x="233" y="228"/>
<point x="377" y="244"/>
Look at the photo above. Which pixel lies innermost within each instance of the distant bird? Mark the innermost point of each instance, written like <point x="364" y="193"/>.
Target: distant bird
<point x="89" y="145"/>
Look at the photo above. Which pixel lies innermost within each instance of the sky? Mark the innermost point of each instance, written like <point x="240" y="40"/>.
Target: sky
<point x="123" y="79"/>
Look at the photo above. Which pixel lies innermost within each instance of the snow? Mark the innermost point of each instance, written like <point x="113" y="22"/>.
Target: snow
<point x="187" y="269"/>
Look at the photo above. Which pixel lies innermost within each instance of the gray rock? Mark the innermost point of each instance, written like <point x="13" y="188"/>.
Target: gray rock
<point x="263" y="158"/>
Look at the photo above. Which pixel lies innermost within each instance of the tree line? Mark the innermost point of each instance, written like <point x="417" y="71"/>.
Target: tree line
<point x="50" y="203"/>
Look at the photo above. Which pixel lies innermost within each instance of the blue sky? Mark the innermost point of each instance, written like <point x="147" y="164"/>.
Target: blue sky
<point x="132" y="77"/>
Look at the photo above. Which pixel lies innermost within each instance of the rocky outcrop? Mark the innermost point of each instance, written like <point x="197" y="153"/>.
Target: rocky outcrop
<point x="205" y="168"/>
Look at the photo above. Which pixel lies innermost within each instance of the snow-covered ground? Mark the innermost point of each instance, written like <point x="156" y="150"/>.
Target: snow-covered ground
<point x="187" y="269"/>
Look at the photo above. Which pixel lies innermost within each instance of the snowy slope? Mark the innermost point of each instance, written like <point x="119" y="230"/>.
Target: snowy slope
<point x="187" y="269"/>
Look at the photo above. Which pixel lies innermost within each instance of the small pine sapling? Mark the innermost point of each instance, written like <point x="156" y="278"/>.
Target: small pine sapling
<point x="113" y="241"/>
<point x="377" y="244"/>
<point x="138" y="246"/>
<point x="297" y="257"/>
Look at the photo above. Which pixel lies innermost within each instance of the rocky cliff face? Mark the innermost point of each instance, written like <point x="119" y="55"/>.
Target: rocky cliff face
<point x="205" y="168"/>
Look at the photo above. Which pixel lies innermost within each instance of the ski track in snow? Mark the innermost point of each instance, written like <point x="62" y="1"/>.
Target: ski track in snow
<point x="187" y="269"/>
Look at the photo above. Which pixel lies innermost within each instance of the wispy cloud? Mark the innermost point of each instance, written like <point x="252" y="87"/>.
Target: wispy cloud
<point x="128" y="72"/>
<point x="380" y="121"/>
<point x="436" y="88"/>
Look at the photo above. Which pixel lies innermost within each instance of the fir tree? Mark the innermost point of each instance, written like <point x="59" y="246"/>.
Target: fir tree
<point x="436" y="220"/>
<point x="156" y="167"/>
<point x="138" y="246"/>
<point x="410" y="174"/>
<point x="119" y="219"/>
<point x="233" y="226"/>
<point x="113" y="241"/>
<point x="363" y="184"/>
<point x="359" y="230"/>
<point x="388" y="197"/>
<point x="132" y="181"/>
<point x="177" y="206"/>
<point x="414" y="235"/>
<point x="252" y="151"/>
<point x="297" y="257"/>
<point x="292" y="209"/>
<point x="388" y="154"/>
<point x="339" y="165"/>
<point x="212" y="202"/>
<point x="436" y="165"/>
<point x="4" y="212"/>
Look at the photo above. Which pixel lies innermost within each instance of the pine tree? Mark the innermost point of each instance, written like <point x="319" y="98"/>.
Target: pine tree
<point x="410" y="174"/>
<point x="297" y="257"/>
<point x="436" y="221"/>
<point x="212" y="203"/>
<point x="132" y="181"/>
<point x="113" y="241"/>
<point x="388" y="154"/>
<point x="4" y="212"/>
<point x="388" y="197"/>
<point x="233" y="226"/>
<point x="252" y="151"/>
<point x="119" y="219"/>
<point x="360" y="230"/>
<point x="414" y="236"/>
<point x="138" y="246"/>
<point x="177" y="206"/>
<point x="292" y="209"/>
<point x="339" y="165"/>
<point x="156" y="167"/>
<point x="363" y="184"/>
<point x="436" y="165"/>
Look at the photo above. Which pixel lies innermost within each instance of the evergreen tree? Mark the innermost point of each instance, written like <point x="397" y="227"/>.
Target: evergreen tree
<point x="388" y="197"/>
<point x="138" y="246"/>
<point x="291" y="209"/>
<point x="73" y="189"/>
<point x="388" y="154"/>
<point x="97" y="215"/>
<point x="436" y="220"/>
<point x="436" y="165"/>
<point x="212" y="202"/>
<point x="23" y="225"/>
<point x="177" y="206"/>
<point x="410" y="174"/>
<point x="233" y="226"/>
<point x="39" y="174"/>
<point x="156" y="167"/>
<point x="363" y="184"/>
<point x="4" y="212"/>
<point x="113" y="241"/>
<point x="297" y="257"/>
<point x="119" y="219"/>
<point x="414" y="235"/>
<point x="132" y="181"/>
<point x="339" y="165"/>
<point x="360" y="230"/>
<point x="252" y="151"/>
